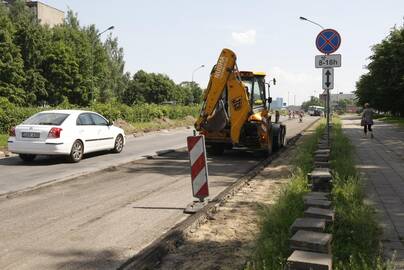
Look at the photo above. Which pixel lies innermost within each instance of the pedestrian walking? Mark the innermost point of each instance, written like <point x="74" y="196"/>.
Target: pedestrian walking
<point x="367" y="120"/>
<point x="300" y="116"/>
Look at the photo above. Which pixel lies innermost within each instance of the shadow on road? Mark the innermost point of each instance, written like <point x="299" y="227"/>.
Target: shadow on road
<point x="44" y="160"/>
<point x="85" y="259"/>
<point x="177" y="163"/>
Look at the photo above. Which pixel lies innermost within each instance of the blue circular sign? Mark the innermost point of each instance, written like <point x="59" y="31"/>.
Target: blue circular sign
<point x="328" y="41"/>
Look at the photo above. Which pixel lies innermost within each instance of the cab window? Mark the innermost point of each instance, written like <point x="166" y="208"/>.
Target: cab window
<point x="259" y="94"/>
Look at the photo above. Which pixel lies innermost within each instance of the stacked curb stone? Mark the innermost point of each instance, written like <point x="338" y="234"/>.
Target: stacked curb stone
<point x="310" y="244"/>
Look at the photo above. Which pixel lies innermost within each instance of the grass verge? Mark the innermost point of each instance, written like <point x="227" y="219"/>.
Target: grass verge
<point x="3" y="141"/>
<point x="393" y="120"/>
<point x="355" y="232"/>
<point x="272" y="247"/>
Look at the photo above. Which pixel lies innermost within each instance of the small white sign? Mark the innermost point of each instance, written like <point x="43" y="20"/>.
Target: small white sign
<point x="328" y="78"/>
<point x="328" y="61"/>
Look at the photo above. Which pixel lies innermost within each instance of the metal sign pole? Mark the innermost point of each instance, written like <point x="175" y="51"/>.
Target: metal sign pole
<point x="328" y="116"/>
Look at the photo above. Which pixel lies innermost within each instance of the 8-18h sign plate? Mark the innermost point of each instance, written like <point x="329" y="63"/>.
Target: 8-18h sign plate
<point x="328" y="61"/>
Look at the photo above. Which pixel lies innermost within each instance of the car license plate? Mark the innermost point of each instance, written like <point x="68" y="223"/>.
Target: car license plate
<point x="30" y="134"/>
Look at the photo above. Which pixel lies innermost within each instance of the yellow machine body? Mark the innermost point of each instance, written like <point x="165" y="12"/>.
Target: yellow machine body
<point x="235" y="111"/>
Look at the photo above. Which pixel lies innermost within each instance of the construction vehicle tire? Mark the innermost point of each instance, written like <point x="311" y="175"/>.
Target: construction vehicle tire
<point x="277" y="141"/>
<point x="283" y="134"/>
<point x="216" y="149"/>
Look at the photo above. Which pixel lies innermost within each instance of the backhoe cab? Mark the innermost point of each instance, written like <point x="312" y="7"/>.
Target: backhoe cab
<point x="236" y="111"/>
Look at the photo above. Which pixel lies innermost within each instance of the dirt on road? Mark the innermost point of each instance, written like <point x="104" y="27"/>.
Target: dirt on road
<point x="226" y="240"/>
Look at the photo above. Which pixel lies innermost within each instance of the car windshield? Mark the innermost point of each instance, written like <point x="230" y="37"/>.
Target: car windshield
<point x="54" y="119"/>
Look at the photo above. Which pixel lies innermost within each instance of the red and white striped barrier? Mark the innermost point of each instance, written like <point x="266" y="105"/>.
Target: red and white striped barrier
<point x="199" y="168"/>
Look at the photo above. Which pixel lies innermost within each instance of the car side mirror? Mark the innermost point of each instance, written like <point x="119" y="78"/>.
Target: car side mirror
<point x="270" y="100"/>
<point x="110" y="122"/>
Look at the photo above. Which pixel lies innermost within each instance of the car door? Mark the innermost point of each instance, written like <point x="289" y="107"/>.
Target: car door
<point x="87" y="132"/>
<point x="105" y="139"/>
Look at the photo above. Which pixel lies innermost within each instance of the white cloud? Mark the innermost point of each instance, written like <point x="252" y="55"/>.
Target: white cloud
<point x="247" y="37"/>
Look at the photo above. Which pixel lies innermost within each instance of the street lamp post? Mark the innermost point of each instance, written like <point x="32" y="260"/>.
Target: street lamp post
<point x="305" y="19"/>
<point x="92" y="59"/>
<point x="195" y="70"/>
<point x="328" y="90"/>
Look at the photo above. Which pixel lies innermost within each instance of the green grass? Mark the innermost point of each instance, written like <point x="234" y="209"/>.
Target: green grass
<point x="393" y="120"/>
<point x="272" y="247"/>
<point x="355" y="231"/>
<point x="3" y="140"/>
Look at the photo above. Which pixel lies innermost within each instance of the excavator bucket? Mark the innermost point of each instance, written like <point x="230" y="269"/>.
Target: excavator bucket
<point x="217" y="83"/>
<point x="218" y="120"/>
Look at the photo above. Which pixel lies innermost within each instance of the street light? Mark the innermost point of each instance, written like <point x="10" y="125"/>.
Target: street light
<point x="195" y="70"/>
<point x="328" y="90"/>
<point x="92" y="60"/>
<point x="305" y="19"/>
<point x="109" y="28"/>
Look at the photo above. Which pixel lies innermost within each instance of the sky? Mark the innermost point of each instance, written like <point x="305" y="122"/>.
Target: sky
<point x="175" y="37"/>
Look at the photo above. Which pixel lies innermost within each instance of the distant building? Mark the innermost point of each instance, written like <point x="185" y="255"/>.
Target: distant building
<point x="335" y="98"/>
<point x="46" y="14"/>
<point x="277" y="104"/>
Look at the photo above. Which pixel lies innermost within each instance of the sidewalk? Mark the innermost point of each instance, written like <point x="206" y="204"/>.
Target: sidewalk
<point x="381" y="161"/>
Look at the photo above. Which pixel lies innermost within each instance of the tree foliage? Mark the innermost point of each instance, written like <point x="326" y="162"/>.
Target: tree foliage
<point x="70" y="64"/>
<point x="314" y="101"/>
<point x="159" y="88"/>
<point x="383" y="85"/>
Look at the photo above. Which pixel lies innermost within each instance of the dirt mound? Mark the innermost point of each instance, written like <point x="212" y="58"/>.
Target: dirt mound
<point x="127" y="127"/>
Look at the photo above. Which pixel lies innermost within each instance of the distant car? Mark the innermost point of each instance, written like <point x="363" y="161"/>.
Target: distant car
<point x="65" y="132"/>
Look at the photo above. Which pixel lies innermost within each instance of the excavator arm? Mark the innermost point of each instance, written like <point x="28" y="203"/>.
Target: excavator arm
<point x="215" y="114"/>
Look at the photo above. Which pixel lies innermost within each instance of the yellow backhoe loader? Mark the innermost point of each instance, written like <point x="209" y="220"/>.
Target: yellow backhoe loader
<point x="235" y="111"/>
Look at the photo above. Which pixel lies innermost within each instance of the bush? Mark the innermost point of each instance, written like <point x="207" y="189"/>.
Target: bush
<point x="12" y="115"/>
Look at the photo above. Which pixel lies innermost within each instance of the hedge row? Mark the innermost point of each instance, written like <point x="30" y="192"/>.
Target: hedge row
<point x="11" y="115"/>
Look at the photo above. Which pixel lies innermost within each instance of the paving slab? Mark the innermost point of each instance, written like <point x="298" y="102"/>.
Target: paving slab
<point x="381" y="162"/>
<point x="322" y="157"/>
<point x="304" y="260"/>
<point x="322" y="151"/>
<point x="322" y="164"/>
<point x="326" y="204"/>
<point x="320" y="173"/>
<point x="311" y="241"/>
<point x="308" y="224"/>
<point x="315" y="212"/>
<point x="319" y="194"/>
<point x="314" y="197"/>
<point x="323" y="145"/>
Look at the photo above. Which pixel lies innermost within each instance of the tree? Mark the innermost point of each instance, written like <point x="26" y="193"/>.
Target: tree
<point x="192" y="93"/>
<point x="33" y="41"/>
<point x="314" y="101"/>
<point x="116" y="80"/>
<point x="152" y="88"/>
<point x="11" y="64"/>
<point x="383" y="85"/>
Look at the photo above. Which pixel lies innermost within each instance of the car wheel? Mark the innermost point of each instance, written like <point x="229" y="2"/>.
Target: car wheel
<point x="118" y="146"/>
<point x="27" y="157"/>
<point x="76" y="153"/>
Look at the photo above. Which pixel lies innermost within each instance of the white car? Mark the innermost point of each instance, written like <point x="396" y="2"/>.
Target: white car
<point x="65" y="132"/>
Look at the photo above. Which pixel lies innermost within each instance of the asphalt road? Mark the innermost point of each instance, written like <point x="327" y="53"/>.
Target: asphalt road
<point x="100" y="220"/>
<point x="15" y="175"/>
